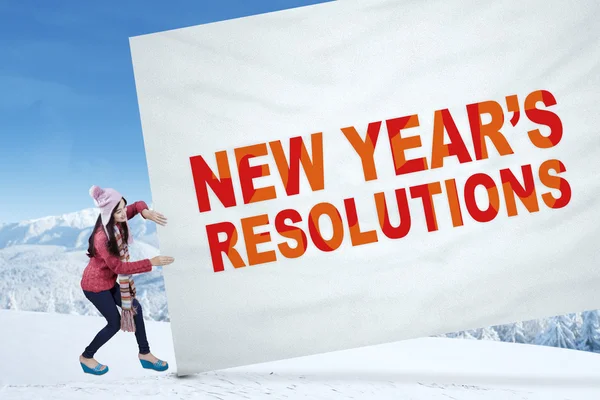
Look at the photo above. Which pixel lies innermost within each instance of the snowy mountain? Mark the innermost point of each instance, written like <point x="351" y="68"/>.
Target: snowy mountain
<point x="426" y="368"/>
<point x="69" y="230"/>
<point x="41" y="262"/>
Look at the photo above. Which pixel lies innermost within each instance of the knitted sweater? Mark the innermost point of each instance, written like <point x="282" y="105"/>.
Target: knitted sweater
<point x="102" y="269"/>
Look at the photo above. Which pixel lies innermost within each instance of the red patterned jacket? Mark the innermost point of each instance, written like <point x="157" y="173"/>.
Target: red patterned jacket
<point x="102" y="269"/>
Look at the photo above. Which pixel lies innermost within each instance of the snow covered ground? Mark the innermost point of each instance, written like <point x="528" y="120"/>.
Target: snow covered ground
<point x="39" y="353"/>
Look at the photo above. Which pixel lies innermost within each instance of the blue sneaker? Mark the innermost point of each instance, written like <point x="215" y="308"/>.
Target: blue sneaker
<point x="157" y="366"/>
<point x="94" y="371"/>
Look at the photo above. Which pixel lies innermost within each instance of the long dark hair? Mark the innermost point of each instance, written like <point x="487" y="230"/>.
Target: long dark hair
<point x="112" y="245"/>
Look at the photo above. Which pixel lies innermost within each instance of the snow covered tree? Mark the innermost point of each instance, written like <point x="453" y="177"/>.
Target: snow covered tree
<point x="558" y="333"/>
<point x="12" y="301"/>
<point x="589" y="338"/>
<point x="577" y="323"/>
<point x="51" y="306"/>
<point x="465" y="335"/>
<point x="513" y="333"/>
<point x="486" y="334"/>
<point x="533" y="328"/>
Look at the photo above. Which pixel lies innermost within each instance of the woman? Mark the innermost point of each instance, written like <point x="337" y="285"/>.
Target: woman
<point x="109" y="260"/>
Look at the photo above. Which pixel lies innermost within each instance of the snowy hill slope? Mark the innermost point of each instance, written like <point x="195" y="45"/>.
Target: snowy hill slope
<point x="429" y="368"/>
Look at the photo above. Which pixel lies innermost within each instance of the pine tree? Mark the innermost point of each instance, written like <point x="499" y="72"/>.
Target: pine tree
<point x="558" y="333"/>
<point x="589" y="338"/>
<point x="576" y="325"/>
<point x="464" y="335"/>
<point x="501" y="330"/>
<point x="145" y="303"/>
<point x="487" y="334"/>
<point x="534" y="328"/>
<point x="514" y="333"/>
<point x="12" y="301"/>
<point x="51" y="307"/>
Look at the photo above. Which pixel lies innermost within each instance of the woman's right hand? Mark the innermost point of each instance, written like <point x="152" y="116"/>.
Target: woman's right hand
<point x="161" y="261"/>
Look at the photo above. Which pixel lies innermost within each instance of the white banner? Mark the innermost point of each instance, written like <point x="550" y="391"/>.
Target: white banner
<point x="351" y="174"/>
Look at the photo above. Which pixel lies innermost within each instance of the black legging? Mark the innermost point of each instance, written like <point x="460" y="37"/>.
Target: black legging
<point x="106" y="302"/>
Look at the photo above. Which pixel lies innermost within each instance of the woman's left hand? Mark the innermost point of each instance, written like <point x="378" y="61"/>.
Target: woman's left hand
<point x="155" y="216"/>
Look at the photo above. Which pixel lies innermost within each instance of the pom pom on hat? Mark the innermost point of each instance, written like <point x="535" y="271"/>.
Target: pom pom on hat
<point x="105" y="198"/>
<point x="95" y="192"/>
<point x="99" y="195"/>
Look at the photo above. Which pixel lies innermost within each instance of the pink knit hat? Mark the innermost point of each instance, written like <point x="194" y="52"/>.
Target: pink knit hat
<point x="107" y="199"/>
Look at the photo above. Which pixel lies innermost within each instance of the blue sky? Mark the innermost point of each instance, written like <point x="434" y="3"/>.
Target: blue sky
<point x="68" y="107"/>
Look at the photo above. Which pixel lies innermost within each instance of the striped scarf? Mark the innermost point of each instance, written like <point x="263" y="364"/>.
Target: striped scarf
<point x="127" y="288"/>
